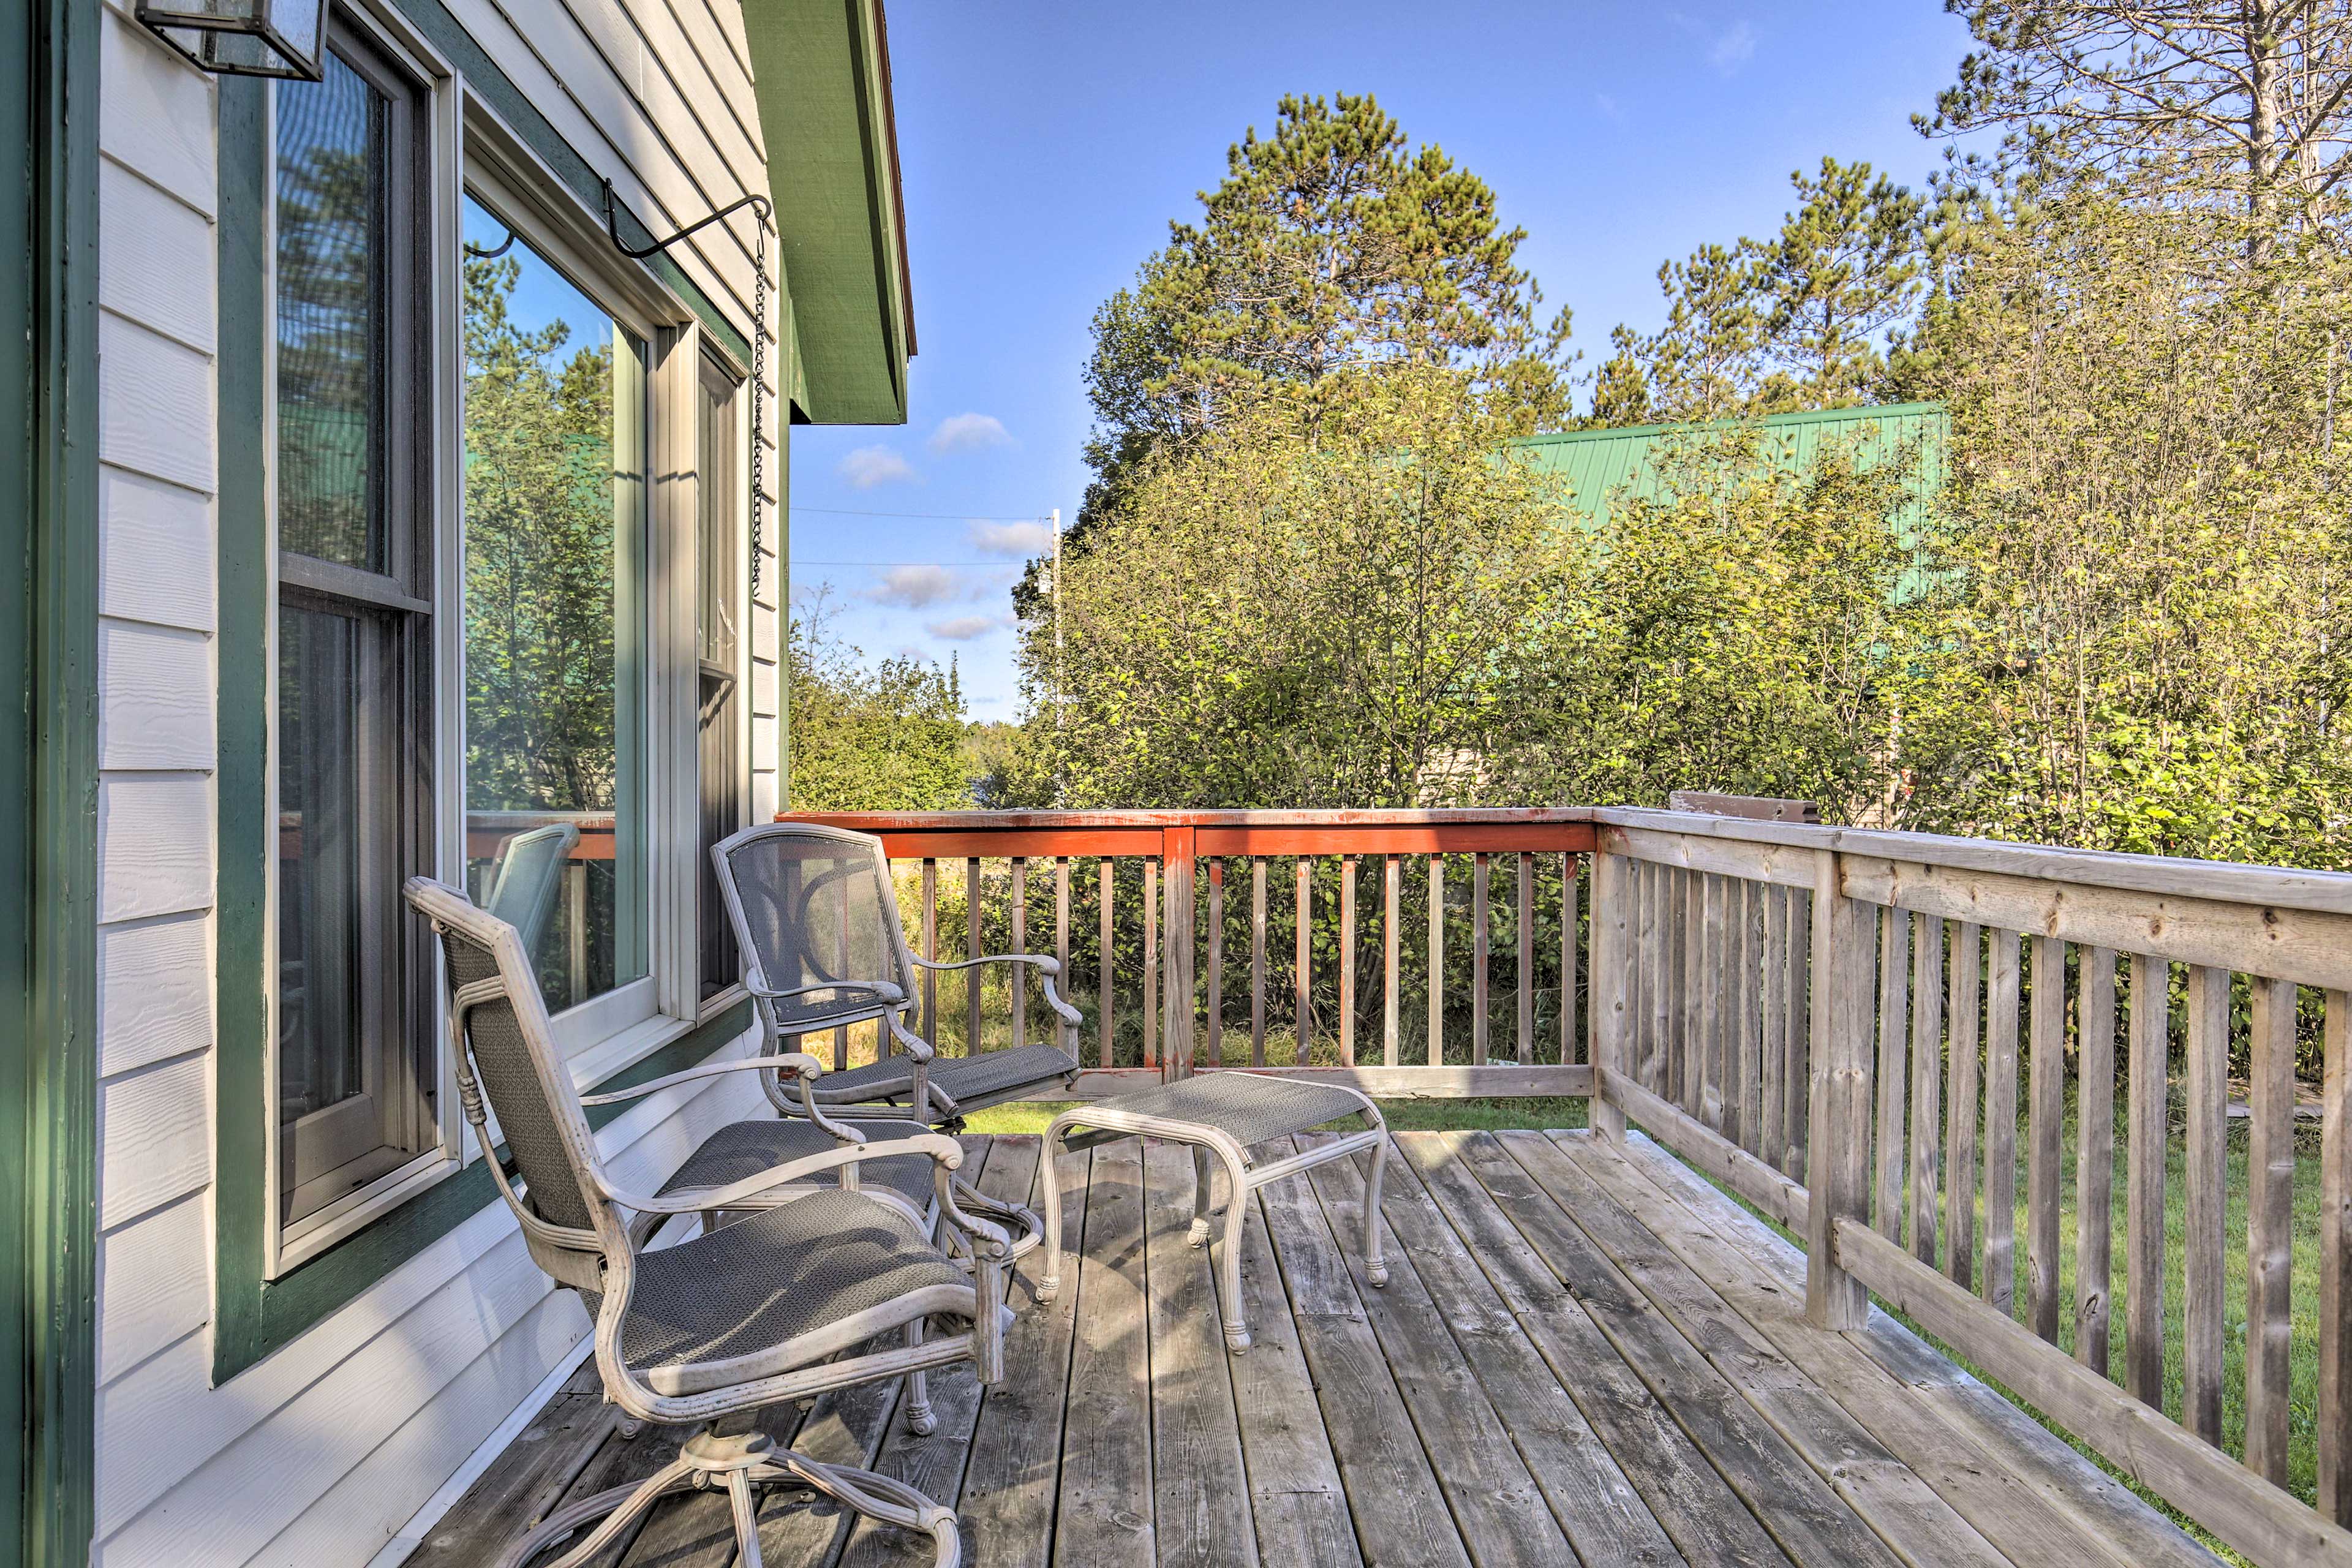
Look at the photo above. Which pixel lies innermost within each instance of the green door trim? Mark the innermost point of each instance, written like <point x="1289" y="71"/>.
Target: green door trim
<point x="48" y="844"/>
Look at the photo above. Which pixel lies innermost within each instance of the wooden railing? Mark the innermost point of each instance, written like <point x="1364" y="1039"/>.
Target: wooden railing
<point x="1243" y="923"/>
<point x="1823" y="1018"/>
<point x="1852" y="1030"/>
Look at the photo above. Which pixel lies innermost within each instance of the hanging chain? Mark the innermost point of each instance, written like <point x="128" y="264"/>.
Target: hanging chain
<point x="764" y="211"/>
<point x="758" y="390"/>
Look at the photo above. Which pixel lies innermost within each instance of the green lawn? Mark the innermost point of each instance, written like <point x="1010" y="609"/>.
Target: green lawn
<point x="1490" y="1114"/>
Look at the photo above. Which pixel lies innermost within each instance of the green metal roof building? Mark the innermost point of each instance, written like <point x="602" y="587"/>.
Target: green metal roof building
<point x="1603" y="464"/>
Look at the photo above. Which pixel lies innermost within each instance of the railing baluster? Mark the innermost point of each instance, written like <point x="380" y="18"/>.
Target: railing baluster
<point x="1799" y="1056"/>
<point x="1685" y="1072"/>
<point x="1709" y="894"/>
<point x="1257" y="962"/>
<point x="1479" y="940"/>
<point x="1751" y="1010"/>
<point x="1151" y="962"/>
<point x="932" y="950"/>
<point x="1105" y="962"/>
<point x="1894" y="977"/>
<point x="1346" y="961"/>
<point x="1960" y="1114"/>
<point x="1217" y="960"/>
<point x="971" y="1045"/>
<point x="1527" y="1051"/>
<point x="1182" y="916"/>
<point x="1650" y="945"/>
<point x="1609" y="967"/>
<point x="2270" y="1227"/>
<point x="2095" y="1158"/>
<point x="1772" y="1129"/>
<point x="2000" y="1123"/>
<point x="1302" y="1025"/>
<point x="1567" y="960"/>
<point x="1838" y="1152"/>
<point x="1062" y="936"/>
<point x="1927" y="1078"/>
<point x="2334" y="1262"/>
<point x="1018" y="976"/>
<point x="2150" y="1131"/>
<point x="2209" y="1175"/>
<point x="2046" y="1084"/>
<point x="1433" y="1053"/>
<point x="1391" y="982"/>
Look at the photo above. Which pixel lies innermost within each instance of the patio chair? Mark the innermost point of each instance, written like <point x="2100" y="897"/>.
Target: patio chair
<point x="778" y="1306"/>
<point x="817" y="918"/>
<point x="526" y="877"/>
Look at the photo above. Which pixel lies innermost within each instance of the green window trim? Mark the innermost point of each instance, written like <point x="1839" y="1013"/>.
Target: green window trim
<point x="254" y="1316"/>
<point x="48" y="771"/>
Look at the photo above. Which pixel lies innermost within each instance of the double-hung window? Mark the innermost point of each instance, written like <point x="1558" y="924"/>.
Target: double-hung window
<point x="507" y="642"/>
<point x="355" y="1068"/>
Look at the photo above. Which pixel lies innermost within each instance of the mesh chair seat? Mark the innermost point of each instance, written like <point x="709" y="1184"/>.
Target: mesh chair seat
<point x="969" y="1082"/>
<point x="1249" y="1107"/>
<point x="752" y="1299"/>
<point x="744" y="1149"/>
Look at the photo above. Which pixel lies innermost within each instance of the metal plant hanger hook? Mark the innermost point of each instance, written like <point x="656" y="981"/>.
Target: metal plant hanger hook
<point x="765" y="211"/>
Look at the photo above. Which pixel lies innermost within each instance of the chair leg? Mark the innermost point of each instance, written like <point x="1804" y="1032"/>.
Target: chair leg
<point x="921" y="1419"/>
<point x="617" y="1506"/>
<point x="1050" y="1281"/>
<point x="1199" y="1235"/>
<point x="1376" y="1269"/>
<point x="883" y="1497"/>
<point x="1237" y="1334"/>
<point x="746" y="1513"/>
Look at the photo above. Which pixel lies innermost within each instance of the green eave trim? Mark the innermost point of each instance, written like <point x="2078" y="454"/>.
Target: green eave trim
<point x="824" y="111"/>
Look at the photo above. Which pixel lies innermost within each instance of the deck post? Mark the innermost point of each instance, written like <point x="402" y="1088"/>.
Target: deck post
<point x="1176" y="845"/>
<point x="1612" y="1020"/>
<point x="1837" y="1163"/>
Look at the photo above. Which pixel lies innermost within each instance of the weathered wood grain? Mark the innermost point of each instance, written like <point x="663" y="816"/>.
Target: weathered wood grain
<point x="1961" y="1110"/>
<point x="1927" y="1079"/>
<point x="2335" y="1241"/>
<point x="1888" y="1150"/>
<point x="2045" y="1128"/>
<point x="2000" y="1122"/>
<point x="1200" y="1502"/>
<point x="2208" y="1176"/>
<point x="2270" y="1227"/>
<point x="2095" y="1160"/>
<point x="2150" y="1132"/>
<point x="1103" y="1513"/>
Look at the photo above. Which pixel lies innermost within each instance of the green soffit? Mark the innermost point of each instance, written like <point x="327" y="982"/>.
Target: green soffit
<point x="1602" y="464"/>
<point x="822" y="74"/>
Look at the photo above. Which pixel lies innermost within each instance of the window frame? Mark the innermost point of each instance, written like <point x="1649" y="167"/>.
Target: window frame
<point x="413" y="510"/>
<point x="713" y="366"/>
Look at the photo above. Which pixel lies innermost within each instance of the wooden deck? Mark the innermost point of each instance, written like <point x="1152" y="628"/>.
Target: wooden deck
<point x="1584" y="1356"/>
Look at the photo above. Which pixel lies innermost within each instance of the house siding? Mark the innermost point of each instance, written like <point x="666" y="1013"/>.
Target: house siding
<point x="317" y="1454"/>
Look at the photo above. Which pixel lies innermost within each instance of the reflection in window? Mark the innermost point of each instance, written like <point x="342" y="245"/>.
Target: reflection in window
<point x="353" y="1067"/>
<point x="554" y="492"/>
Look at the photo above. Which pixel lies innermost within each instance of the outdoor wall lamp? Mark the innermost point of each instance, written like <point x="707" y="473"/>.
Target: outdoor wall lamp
<point x="243" y="37"/>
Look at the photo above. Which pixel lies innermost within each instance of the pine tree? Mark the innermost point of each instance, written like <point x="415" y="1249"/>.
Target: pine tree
<point x="1845" y="268"/>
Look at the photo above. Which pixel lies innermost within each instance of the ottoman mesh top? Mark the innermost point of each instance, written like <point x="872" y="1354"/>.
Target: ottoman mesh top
<point x="1249" y="1107"/>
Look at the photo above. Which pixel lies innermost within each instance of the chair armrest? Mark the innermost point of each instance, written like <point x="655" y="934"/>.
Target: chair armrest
<point x="1049" y="965"/>
<point x="945" y="1151"/>
<point x="916" y="1046"/>
<point x="882" y="989"/>
<point x="798" y="1063"/>
<point x="998" y="1240"/>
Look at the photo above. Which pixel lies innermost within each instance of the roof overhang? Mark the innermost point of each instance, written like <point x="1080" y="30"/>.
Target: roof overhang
<point x="821" y="75"/>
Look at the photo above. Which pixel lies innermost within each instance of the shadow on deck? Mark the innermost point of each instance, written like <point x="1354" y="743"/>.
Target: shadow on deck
<point x="1586" y="1355"/>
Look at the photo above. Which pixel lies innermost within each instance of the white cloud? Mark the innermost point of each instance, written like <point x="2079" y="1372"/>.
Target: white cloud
<point x="969" y="433"/>
<point x="963" y="628"/>
<point x="870" y="466"/>
<point x="1733" y="49"/>
<point x="1021" y="539"/>
<point x="1608" y="109"/>
<point x="915" y="587"/>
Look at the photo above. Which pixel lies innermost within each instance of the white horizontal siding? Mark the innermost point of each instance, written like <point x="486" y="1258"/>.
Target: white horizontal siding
<point x="156" y="265"/>
<point x="154" y="404"/>
<point x="155" y="990"/>
<point x="153" y="1284"/>
<point x="155" y="844"/>
<point x="192" y="1475"/>
<point x="156" y="551"/>
<point x="155" y="1132"/>
<point x="155" y="113"/>
<point x="159" y="684"/>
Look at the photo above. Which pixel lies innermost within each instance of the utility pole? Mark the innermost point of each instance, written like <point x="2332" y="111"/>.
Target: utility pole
<point x="1057" y="655"/>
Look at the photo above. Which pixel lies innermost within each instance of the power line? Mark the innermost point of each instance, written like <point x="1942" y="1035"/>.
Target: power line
<point x="799" y="561"/>
<point x="933" y="516"/>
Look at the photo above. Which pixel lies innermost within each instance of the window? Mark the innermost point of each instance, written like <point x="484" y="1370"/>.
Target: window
<point x="354" y="1067"/>
<point x="556" y="627"/>
<point x="718" y="751"/>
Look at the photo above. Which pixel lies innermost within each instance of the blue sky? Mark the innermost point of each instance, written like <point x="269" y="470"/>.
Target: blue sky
<point x="1046" y="147"/>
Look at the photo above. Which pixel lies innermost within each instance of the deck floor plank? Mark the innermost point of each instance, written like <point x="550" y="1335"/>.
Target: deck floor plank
<point x="1619" y="1209"/>
<point x="1014" y="1472"/>
<point x="1401" y="1514"/>
<point x="1199" y="1498"/>
<point x="1297" y="1500"/>
<point x="1104" y="1515"/>
<point x="1583" y="1344"/>
<point x="1461" y="1363"/>
<point x="2087" y="1507"/>
<point x="1700" y="1513"/>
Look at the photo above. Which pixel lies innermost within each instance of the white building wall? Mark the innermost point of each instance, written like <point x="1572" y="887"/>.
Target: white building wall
<point x="316" y="1457"/>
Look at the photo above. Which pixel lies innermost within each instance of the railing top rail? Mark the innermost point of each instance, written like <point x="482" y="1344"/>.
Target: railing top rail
<point x="1006" y="821"/>
<point x="2222" y="880"/>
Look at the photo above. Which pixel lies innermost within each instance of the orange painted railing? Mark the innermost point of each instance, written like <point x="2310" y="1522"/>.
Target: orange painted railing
<point x="1190" y="1022"/>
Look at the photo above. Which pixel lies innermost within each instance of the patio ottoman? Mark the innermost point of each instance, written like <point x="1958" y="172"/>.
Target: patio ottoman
<point x="1224" y="1114"/>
